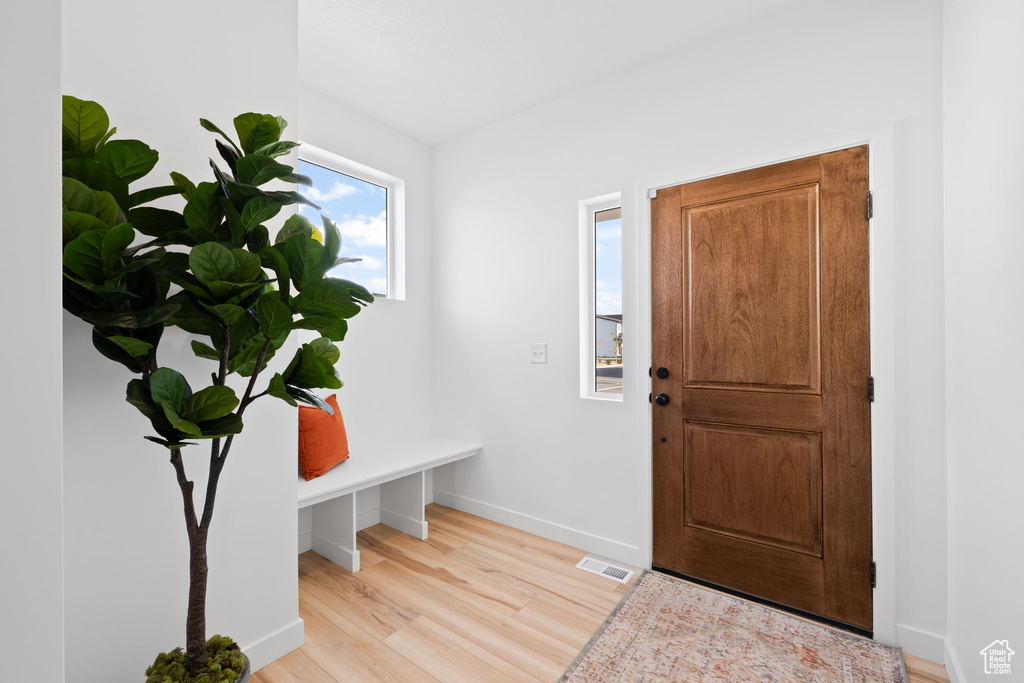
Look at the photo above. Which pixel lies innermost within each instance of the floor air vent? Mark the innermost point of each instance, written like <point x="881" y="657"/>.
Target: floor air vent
<point x="593" y="566"/>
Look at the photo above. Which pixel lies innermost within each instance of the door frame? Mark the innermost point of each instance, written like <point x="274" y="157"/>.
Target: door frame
<point x="883" y="457"/>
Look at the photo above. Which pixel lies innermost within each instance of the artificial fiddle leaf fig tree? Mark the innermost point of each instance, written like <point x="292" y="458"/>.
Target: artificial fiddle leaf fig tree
<point x="132" y="270"/>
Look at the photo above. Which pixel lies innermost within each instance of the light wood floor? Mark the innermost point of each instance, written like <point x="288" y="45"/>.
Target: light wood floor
<point x="478" y="602"/>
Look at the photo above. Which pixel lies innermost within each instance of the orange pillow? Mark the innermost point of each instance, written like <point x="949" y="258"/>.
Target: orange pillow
<point x="322" y="439"/>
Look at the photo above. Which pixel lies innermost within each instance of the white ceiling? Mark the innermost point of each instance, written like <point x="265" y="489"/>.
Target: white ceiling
<point x="438" y="69"/>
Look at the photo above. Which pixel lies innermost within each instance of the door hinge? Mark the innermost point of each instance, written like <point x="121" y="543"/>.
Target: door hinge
<point x="874" y="574"/>
<point x="871" y="389"/>
<point x="871" y="206"/>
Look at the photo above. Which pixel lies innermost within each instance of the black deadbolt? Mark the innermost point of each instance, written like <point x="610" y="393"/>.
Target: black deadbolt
<point x="661" y="399"/>
<point x="662" y="373"/>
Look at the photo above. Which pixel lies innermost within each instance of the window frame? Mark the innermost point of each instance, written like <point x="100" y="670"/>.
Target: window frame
<point x="395" y="190"/>
<point x="588" y="208"/>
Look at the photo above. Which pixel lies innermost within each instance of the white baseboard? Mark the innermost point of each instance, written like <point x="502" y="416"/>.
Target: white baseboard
<point x="339" y="555"/>
<point x="275" y="645"/>
<point x="305" y="542"/>
<point x="365" y="520"/>
<point x="414" y="527"/>
<point x="921" y="643"/>
<point x="428" y="495"/>
<point x="952" y="664"/>
<point x="592" y="543"/>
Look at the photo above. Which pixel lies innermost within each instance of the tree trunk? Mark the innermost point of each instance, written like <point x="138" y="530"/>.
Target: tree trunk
<point x="195" y="623"/>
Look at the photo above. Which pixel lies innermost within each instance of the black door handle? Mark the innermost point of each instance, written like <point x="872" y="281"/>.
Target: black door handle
<point x="661" y="399"/>
<point x="662" y="373"/>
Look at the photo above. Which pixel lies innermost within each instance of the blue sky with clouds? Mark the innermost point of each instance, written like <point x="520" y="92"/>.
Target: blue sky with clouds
<point x="359" y="209"/>
<point x="608" y="266"/>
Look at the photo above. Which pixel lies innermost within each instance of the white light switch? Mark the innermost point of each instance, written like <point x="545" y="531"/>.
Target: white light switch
<point x="538" y="353"/>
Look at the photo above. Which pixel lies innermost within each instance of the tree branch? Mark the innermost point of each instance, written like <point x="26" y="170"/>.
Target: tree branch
<point x="217" y="459"/>
<point x="186" y="487"/>
<point x="225" y="349"/>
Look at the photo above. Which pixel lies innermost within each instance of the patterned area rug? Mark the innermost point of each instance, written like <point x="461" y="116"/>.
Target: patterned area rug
<point x="666" y="630"/>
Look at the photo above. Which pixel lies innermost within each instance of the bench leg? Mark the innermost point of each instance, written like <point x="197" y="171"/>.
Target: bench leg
<point x="334" y="531"/>
<point x="403" y="505"/>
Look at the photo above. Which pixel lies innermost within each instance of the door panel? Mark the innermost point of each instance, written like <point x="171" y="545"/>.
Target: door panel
<point x="753" y="292"/>
<point x="758" y="484"/>
<point x="760" y="315"/>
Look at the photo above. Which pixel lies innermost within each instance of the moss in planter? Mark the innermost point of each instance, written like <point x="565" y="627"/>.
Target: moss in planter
<point x="224" y="664"/>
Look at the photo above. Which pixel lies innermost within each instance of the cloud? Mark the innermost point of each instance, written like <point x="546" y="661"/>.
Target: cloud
<point x="337" y="191"/>
<point x="601" y="284"/>
<point x="608" y="303"/>
<point x="377" y="284"/>
<point x="368" y="262"/>
<point x="366" y="231"/>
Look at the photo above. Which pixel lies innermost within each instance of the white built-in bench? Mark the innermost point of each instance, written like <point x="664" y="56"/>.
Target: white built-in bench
<point x="399" y="469"/>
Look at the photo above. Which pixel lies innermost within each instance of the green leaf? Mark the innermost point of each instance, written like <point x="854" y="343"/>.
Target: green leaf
<point x="151" y="194"/>
<point x="84" y="123"/>
<point x="332" y="243"/>
<point x="203" y="212"/>
<point x="276" y="149"/>
<point x="332" y="328"/>
<point x="303" y="256"/>
<point x="169" y="387"/>
<point x="222" y="426"/>
<point x="204" y="350"/>
<point x="211" y="403"/>
<point x="134" y="347"/>
<point x="275" y="316"/>
<point x="226" y="290"/>
<point x="115" y="241"/>
<point x="156" y="222"/>
<point x="256" y="130"/>
<point x="214" y="129"/>
<point x="179" y="423"/>
<point x="76" y="224"/>
<point x="296" y="224"/>
<point x="82" y="256"/>
<point x="229" y="314"/>
<point x="247" y="266"/>
<point x="273" y="259"/>
<point x="256" y="170"/>
<point x="234" y="221"/>
<point x="106" y="208"/>
<point x="277" y="389"/>
<point x="77" y="197"/>
<point x="116" y="353"/>
<point x="129" y="159"/>
<point x="326" y="350"/>
<point x="170" y="445"/>
<point x="330" y="298"/>
<point x="258" y="210"/>
<point x="131" y="320"/>
<point x="186" y="186"/>
<point x="105" y="293"/>
<point x="292" y="197"/>
<point x="139" y="395"/>
<point x="309" y="397"/>
<point x="98" y="177"/>
<point x="212" y="262"/>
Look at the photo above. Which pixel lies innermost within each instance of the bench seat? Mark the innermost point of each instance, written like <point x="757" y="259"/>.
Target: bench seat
<point x="399" y="469"/>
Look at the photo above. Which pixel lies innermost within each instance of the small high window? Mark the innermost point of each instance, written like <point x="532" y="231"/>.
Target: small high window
<point x="366" y="205"/>
<point x="601" y="298"/>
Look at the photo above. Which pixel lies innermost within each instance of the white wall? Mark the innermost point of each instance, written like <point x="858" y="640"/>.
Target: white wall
<point x="31" y="623"/>
<point x="386" y="360"/>
<point x="505" y="252"/>
<point x="984" y="234"/>
<point x="157" y="69"/>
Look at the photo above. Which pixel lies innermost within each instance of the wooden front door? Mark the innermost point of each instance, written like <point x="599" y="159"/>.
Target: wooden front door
<point x="762" y="457"/>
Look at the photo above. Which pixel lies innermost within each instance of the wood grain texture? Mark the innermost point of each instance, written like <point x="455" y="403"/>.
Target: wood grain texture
<point x="342" y="646"/>
<point x="764" y="276"/>
<point x="762" y="485"/>
<point x="751" y="265"/>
